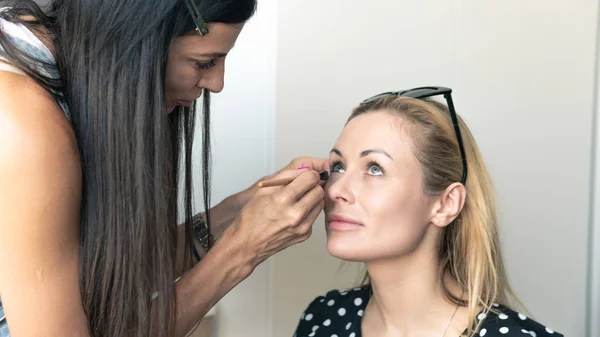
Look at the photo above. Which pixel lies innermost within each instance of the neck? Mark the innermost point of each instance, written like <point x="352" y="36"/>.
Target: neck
<point x="408" y="298"/>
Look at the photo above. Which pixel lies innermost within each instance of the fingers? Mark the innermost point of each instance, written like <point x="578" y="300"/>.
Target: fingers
<point x="282" y="175"/>
<point x="272" y="225"/>
<point x="304" y="229"/>
<point x="317" y="164"/>
<point x="301" y="185"/>
<point x="320" y="164"/>
<point x="312" y="215"/>
<point x="297" y="167"/>
<point x="310" y="200"/>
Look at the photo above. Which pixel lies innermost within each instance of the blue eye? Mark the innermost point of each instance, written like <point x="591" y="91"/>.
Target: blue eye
<point x="337" y="167"/>
<point x="375" y="169"/>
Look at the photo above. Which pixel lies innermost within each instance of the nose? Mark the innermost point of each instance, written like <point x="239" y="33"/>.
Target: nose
<point x="213" y="79"/>
<point x="339" y="189"/>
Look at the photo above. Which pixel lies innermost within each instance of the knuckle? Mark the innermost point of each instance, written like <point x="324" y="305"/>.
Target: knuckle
<point x="290" y="224"/>
<point x="305" y="228"/>
<point x="297" y="215"/>
<point x="303" y="233"/>
<point x="281" y="198"/>
<point x="270" y="213"/>
<point x="307" y="235"/>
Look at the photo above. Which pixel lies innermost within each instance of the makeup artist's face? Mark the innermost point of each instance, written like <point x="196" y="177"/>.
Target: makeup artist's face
<point x="375" y="207"/>
<point x="197" y="62"/>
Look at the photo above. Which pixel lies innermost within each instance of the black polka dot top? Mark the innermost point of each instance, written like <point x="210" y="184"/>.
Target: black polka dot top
<point x="339" y="314"/>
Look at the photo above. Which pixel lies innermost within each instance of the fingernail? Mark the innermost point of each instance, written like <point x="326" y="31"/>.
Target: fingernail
<point x="303" y="167"/>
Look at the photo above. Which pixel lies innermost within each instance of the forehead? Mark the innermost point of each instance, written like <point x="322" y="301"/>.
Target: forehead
<point x="220" y="39"/>
<point x="379" y="129"/>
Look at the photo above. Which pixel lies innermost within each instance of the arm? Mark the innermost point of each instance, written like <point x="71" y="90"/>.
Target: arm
<point x="222" y="215"/>
<point x="272" y="220"/>
<point x="208" y="281"/>
<point x="40" y="175"/>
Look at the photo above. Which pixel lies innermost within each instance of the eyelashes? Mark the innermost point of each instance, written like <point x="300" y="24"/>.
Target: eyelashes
<point x="206" y="65"/>
<point x="372" y="168"/>
<point x="336" y="166"/>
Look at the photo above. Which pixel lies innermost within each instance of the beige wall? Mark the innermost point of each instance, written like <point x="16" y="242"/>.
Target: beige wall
<point x="522" y="74"/>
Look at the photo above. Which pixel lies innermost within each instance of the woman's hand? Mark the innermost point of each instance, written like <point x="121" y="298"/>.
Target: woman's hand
<point x="222" y="214"/>
<point x="317" y="164"/>
<point x="281" y="216"/>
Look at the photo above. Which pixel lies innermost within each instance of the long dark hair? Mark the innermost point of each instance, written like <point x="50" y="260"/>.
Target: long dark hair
<point x="112" y="56"/>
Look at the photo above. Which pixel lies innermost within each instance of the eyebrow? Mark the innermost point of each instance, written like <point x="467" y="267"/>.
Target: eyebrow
<point x="364" y="153"/>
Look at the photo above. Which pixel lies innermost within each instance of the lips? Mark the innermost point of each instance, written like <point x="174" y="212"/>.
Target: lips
<point x="342" y="222"/>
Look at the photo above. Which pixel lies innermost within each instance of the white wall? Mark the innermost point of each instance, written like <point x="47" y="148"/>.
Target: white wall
<point x="522" y="74"/>
<point x="523" y="78"/>
<point x="594" y="263"/>
<point x="243" y="122"/>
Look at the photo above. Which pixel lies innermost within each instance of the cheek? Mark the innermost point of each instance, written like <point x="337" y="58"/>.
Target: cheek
<point x="398" y="228"/>
<point x="180" y="77"/>
<point x="395" y="225"/>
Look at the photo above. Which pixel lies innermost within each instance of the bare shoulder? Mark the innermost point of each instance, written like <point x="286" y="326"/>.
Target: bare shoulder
<point x="27" y="107"/>
<point x="40" y="179"/>
<point x="36" y="140"/>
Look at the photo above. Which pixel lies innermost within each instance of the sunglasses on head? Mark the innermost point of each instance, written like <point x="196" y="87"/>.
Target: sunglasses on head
<point x="201" y="27"/>
<point x="424" y="92"/>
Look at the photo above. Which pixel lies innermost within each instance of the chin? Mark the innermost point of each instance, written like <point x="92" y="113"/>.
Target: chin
<point x="345" y="248"/>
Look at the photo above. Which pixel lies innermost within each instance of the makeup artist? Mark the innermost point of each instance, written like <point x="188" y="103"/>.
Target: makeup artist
<point x="97" y="102"/>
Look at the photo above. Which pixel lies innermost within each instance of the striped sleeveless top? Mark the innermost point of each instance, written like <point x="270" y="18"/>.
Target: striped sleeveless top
<point x="27" y="42"/>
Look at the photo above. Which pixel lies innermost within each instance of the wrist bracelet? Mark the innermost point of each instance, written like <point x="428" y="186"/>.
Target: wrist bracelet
<point x="200" y="230"/>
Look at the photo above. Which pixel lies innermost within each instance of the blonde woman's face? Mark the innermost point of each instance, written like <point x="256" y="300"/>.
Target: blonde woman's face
<point x="375" y="207"/>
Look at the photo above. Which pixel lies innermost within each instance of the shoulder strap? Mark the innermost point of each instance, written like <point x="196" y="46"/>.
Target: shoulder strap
<point x="11" y="69"/>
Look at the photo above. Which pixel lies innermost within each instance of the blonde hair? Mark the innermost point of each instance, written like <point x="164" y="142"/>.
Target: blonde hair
<point x="469" y="247"/>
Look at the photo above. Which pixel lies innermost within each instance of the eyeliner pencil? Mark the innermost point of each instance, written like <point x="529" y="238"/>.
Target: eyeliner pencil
<point x="284" y="181"/>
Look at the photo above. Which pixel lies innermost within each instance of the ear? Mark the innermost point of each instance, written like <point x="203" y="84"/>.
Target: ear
<point x="449" y="205"/>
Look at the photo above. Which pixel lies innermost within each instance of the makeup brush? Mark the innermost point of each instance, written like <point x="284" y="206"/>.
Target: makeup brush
<point x="284" y="181"/>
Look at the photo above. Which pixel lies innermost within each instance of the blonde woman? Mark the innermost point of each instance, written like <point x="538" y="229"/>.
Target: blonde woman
<point x="410" y="197"/>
